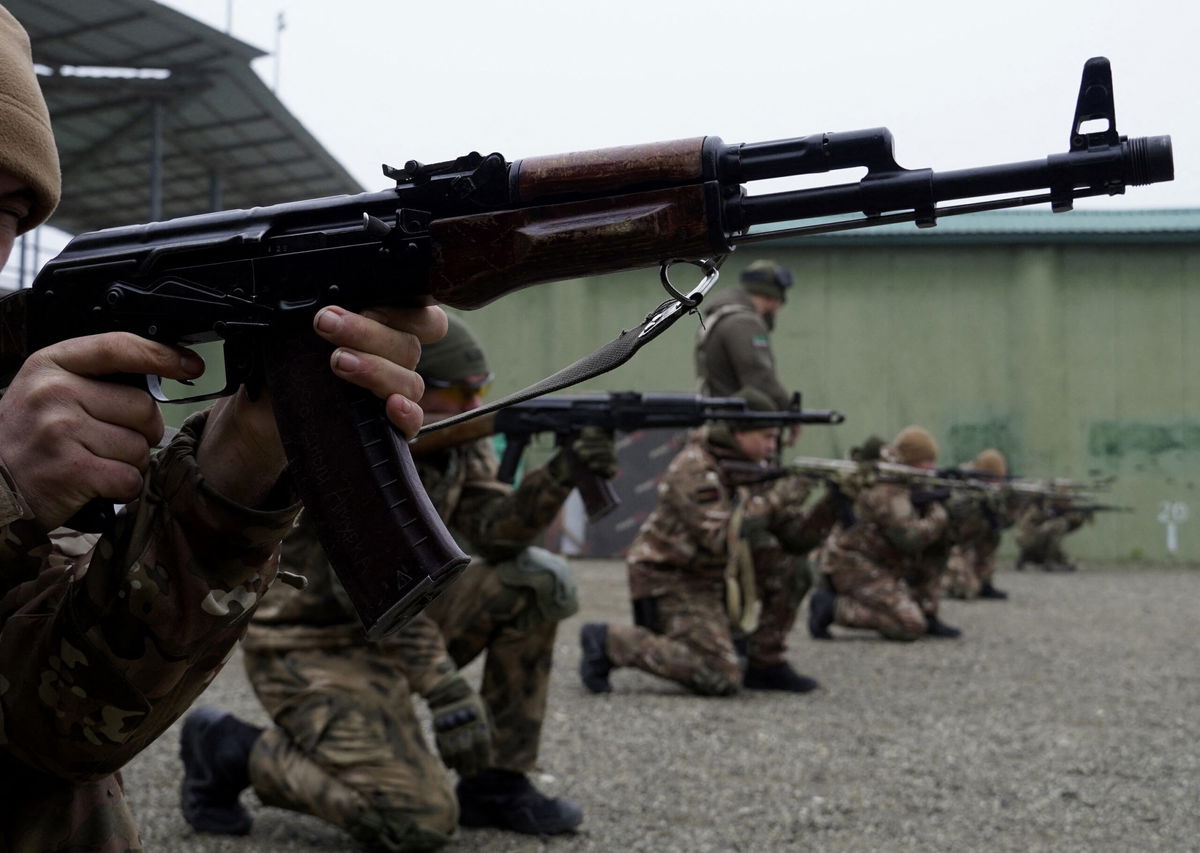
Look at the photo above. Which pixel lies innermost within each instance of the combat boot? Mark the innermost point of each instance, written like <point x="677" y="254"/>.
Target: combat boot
<point x="821" y="608"/>
<point x="215" y="748"/>
<point x="935" y="627"/>
<point x="594" y="663"/>
<point x="508" y="800"/>
<point x="989" y="591"/>
<point x="781" y="676"/>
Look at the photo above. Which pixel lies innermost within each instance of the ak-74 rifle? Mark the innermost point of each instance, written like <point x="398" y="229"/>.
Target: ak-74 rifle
<point x="624" y="411"/>
<point x="466" y="232"/>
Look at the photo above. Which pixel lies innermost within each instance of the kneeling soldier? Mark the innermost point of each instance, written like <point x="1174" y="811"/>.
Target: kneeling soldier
<point x="881" y="566"/>
<point x="714" y="562"/>
<point x="347" y="744"/>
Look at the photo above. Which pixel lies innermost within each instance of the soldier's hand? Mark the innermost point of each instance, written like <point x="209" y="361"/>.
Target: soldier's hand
<point x="756" y="530"/>
<point x="67" y="436"/>
<point x="462" y="725"/>
<point x="595" y="451"/>
<point x="240" y="453"/>
<point x="790" y="492"/>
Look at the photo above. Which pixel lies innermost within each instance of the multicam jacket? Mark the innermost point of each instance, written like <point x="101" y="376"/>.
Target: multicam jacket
<point x="496" y="519"/>
<point x="888" y="530"/>
<point x="105" y="641"/>
<point x="684" y="543"/>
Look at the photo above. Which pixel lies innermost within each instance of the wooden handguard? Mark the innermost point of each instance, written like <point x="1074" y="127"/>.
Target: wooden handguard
<point x="479" y="258"/>
<point x="610" y="170"/>
<point x="353" y="470"/>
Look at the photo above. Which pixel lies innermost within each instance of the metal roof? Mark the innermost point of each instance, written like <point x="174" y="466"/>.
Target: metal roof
<point x="226" y="140"/>
<point x="1167" y="225"/>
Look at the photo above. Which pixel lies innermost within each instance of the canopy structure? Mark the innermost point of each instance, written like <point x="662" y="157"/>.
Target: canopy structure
<point x="158" y="115"/>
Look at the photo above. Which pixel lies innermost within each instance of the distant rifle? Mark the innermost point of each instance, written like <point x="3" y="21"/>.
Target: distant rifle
<point x="465" y="232"/>
<point x="929" y="484"/>
<point x="1033" y="485"/>
<point x="624" y="411"/>
<point x="1064" y="509"/>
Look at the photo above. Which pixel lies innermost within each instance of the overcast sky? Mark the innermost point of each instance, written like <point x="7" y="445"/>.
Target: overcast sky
<point x="959" y="83"/>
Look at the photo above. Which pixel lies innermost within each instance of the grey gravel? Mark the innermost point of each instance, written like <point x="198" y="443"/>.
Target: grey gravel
<point x="1065" y="719"/>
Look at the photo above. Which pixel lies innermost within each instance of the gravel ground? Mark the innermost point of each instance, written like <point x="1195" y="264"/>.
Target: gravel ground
<point x="1065" y="719"/>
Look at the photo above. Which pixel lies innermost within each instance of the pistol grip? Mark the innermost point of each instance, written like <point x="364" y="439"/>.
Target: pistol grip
<point x="353" y="470"/>
<point x="97" y="514"/>
<point x="514" y="449"/>
<point x="599" y="496"/>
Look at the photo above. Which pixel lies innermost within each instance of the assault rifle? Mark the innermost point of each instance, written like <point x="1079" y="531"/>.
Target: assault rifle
<point x="1056" y="508"/>
<point x="465" y="232"/>
<point x="851" y="476"/>
<point x="1033" y="485"/>
<point x="623" y="411"/>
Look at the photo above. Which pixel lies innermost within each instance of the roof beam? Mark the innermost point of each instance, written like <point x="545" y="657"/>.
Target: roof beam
<point x="44" y="39"/>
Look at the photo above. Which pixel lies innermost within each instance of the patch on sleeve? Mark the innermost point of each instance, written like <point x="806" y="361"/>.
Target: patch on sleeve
<point x="707" y="494"/>
<point x="761" y="341"/>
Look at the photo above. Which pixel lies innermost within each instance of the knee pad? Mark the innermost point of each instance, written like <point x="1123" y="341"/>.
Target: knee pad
<point x="709" y="682"/>
<point x="547" y="579"/>
<point x="397" y="831"/>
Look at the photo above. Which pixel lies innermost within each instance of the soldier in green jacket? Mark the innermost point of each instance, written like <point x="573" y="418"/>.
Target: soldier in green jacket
<point x="733" y="346"/>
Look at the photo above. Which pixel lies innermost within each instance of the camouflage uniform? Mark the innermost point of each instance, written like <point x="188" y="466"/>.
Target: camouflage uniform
<point x="733" y="349"/>
<point x="104" y="642"/>
<point x="347" y="745"/>
<point x="881" y="567"/>
<point x="972" y="561"/>
<point x="679" y="559"/>
<point x="1039" y="534"/>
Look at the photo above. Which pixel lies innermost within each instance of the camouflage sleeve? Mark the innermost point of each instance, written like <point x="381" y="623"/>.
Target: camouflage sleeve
<point x="799" y="528"/>
<point x="744" y="338"/>
<point x="907" y="530"/>
<point x="499" y="521"/>
<point x="421" y="651"/>
<point x="783" y="504"/>
<point x="101" y="652"/>
<point x="21" y="539"/>
<point x="696" y="501"/>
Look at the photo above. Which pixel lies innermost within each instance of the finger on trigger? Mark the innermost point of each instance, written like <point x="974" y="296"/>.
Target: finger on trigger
<point x="123" y="352"/>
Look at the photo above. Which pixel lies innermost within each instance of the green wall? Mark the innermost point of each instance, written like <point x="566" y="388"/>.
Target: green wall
<point x="1072" y="359"/>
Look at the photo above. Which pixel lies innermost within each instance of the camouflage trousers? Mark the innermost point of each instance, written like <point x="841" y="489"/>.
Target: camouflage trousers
<point x="783" y="580"/>
<point x="347" y="745"/>
<point x="42" y="814"/>
<point x="691" y="642"/>
<point x="969" y="569"/>
<point x="872" y="597"/>
<point x="480" y="613"/>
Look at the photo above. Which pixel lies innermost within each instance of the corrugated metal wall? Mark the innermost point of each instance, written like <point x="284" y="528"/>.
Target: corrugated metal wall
<point x="1075" y="360"/>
